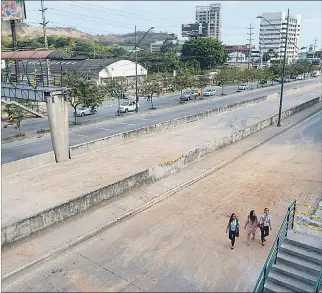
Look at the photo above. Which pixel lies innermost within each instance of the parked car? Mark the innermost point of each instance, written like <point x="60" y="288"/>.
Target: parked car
<point x="209" y="92"/>
<point x="243" y="87"/>
<point x="300" y="77"/>
<point x="84" y="111"/>
<point x="262" y="82"/>
<point x="188" y="95"/>
<point x="127" y="106"/>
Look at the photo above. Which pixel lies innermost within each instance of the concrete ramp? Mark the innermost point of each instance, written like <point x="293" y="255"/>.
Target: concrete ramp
<point x="27" y="109"/>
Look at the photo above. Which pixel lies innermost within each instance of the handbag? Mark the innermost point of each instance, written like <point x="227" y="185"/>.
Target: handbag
<point x="237" y="229"/>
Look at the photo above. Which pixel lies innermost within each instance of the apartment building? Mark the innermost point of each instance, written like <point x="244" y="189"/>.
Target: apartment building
<point x="212" y="16"/>
<point x="272" y="34"/>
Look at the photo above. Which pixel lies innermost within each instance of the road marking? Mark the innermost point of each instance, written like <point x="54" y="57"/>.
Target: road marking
<point x="107" y="129"/>
<point x="124" y="123"/>
<point x="80" y="134"/>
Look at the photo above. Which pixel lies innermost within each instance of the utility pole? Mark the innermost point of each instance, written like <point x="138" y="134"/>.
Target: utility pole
<point x="283" y="70"/>
<point x="44" y="24"/>
<point x="136" y="77"/>
<point x="250" y="44"/>
<point x="314" y="46"/>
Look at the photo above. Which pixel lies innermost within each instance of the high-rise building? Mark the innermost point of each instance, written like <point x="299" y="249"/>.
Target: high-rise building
<point x="272" y="35"/>
<point x="212" y="16"/>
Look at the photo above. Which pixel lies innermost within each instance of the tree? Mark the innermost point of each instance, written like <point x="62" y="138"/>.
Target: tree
<point x="169" y="46"/>
<point x="116" y="87"/>
<point x="18" y="114"/>
<point x="238" y="76"/>
<point x="82" y="91"/>
<point x="206" y="51"/>
<point x="251" y="75"/>
<point x="223" y="77"/>
<point x="152" y="84"/>
<point x="269" y="55"/>
<point x="202" y="80"/>
<point x="183" y="79"/>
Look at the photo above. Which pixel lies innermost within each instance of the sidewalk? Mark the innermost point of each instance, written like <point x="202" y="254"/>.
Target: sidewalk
<point x="26" y="194"/>
<point x="183" y="217"/>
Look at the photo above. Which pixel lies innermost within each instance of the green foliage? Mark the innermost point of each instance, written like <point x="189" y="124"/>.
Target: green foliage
<point x="73" y="46"/>
<point x="82" y="91"/>
<point x="202" y="80"/>
<point x="183" y="79"/>
<point x="18" y="115"/>
<point x="206" y="51"/>
<point x="223" y="77"/>
<point x="152" y="84"/>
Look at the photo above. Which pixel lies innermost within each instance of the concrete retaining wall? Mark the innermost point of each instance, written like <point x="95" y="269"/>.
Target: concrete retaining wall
<point x="99" y="144"/>
<point x="27" y="164"/>
<point x="80" y="204"/>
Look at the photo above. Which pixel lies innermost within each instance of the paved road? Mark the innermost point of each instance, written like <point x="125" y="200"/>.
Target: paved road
<point x="34" y="146"/>
<point x="180" y="244"/>
<point x="105" y="112"/>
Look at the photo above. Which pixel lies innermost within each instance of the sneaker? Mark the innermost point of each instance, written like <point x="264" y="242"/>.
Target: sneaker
<point x="263" y="244"/>
<point x="264" y="239"/>
<point x="232" y="247"/>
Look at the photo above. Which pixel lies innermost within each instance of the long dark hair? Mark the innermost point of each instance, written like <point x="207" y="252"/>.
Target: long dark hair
<point x="231" y="217"/>
<point x="252" y="217"/>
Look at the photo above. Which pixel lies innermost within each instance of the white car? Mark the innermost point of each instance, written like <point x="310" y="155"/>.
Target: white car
<point x="243" y="87"/>
<point x="83" y="111"/>
<point x="209" y="92"/>
<point x="127" y="106"/>
<point x="300" y="77"/>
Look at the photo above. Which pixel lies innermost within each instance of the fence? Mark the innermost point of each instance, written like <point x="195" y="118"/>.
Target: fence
<point x="287" y="223"/>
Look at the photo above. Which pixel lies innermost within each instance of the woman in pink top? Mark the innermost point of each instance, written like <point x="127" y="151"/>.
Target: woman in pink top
<point x="251" y="225"/>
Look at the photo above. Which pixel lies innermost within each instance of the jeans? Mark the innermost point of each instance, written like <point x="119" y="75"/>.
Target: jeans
<point x="232" y="237"/>
<point x="264" y="232"/>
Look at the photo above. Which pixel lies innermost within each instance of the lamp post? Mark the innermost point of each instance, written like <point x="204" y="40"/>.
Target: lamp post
<point x="283" y="66"/>
<point x="136" y="67"/>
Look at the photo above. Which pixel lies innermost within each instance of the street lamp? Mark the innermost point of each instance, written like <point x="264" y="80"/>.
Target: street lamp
<point x="284" y="61"/>
<point x="136" y="67"/>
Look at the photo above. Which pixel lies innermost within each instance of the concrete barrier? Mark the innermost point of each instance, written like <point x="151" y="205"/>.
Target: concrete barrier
<point x="99" y="144"/>
<point x="58" y="213"/>
<point x="27" y="164"/>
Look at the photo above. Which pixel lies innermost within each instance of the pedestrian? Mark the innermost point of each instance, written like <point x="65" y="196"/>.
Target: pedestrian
<point x="148" y="99"/>
<point x="265" y="225"/>
<point x="233" y="229"/>
<point x="251" y="226"/>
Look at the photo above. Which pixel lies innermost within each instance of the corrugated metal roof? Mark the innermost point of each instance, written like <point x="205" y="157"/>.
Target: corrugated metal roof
<point x="44" y="54"/>
<point x="88" y="66"/>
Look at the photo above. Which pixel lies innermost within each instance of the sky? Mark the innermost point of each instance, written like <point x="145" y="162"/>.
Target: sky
<point x="106" y="17"/>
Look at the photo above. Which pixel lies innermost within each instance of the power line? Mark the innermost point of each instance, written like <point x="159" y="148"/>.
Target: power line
<point x="124" y="12"/>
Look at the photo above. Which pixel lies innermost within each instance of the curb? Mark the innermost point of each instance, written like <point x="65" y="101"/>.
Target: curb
<point x="56" y="252"/>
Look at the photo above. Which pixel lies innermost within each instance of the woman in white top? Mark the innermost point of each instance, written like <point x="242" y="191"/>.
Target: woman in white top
<point x="265" y="225"/>
<point x="233" y="228"/>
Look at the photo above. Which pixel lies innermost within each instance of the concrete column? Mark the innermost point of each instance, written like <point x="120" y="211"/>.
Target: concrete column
<point x="57" y="108"/>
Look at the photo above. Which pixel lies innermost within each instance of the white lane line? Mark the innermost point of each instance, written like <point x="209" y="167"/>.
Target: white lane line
<point x="107" y="129"/>
<point x="80" y="135"/>
<point x="124" y="123"/>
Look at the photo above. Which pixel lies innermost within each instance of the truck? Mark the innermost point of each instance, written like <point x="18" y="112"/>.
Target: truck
<point x="316" y="73"/>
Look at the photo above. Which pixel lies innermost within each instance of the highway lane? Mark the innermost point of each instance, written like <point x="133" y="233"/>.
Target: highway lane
<point x="34" y="146"/>
<point x="106" y="112"/>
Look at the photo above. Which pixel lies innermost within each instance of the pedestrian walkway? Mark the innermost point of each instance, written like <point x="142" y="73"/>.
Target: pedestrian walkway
<point x="29" y="193"/>
<point x="183" y="236"/>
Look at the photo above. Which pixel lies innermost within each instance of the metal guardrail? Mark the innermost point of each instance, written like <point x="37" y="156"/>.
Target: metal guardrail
<point x="318" y="283"/>
<point x="287" y="223"/>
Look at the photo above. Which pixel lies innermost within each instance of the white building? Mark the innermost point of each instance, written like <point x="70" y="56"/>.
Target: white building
<point x="272" y="35"/>
<point x="212" y="16"/>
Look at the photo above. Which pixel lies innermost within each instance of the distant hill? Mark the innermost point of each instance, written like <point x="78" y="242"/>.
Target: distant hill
<point x="26" y="30"/>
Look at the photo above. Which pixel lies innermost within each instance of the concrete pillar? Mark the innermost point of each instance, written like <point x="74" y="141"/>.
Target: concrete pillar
<point x="57" y="109"/>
